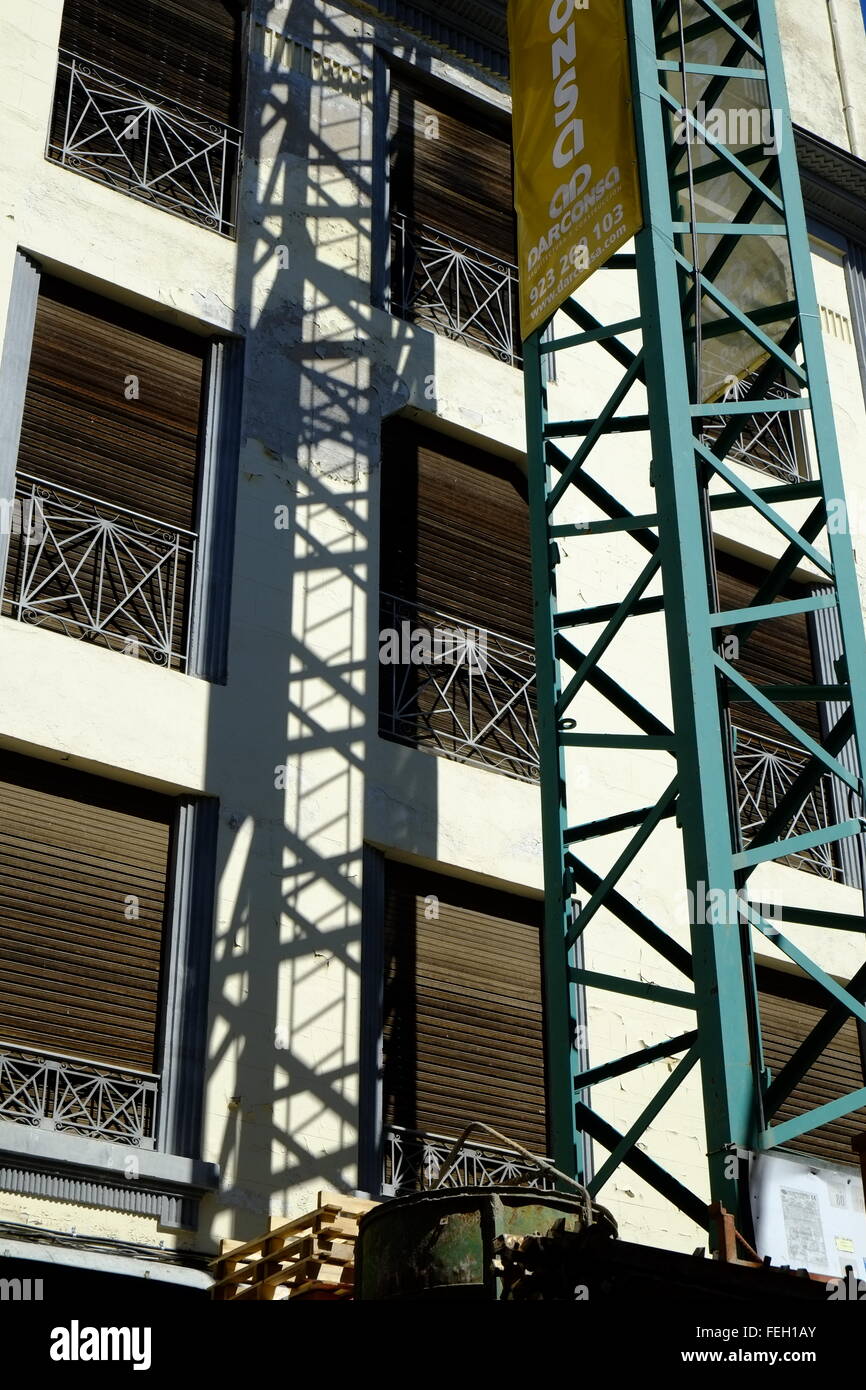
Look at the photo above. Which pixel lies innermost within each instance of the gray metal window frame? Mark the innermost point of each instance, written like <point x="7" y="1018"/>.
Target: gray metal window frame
<point x="855" y="275"/>
<point x="827" y="649"/>
<point x="371" y="1054"/>
<point x="14" y="371"/>
<point x="824" y="625"/>
<point x="185" y="977"/>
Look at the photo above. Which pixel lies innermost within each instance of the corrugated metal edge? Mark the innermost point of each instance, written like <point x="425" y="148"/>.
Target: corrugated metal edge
<point x="168" y="1208"/>
<point x="444" y="35"/>
<point x="834" y="183"/>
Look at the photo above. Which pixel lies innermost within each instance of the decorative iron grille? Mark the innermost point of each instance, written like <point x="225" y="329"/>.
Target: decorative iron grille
<point x="99" y="572"/>
<point x="157" y="150"/>
<point x="51" y="1091"/>
<point x="765" y="769"/>
<point x="775" y="442"/>
<point x="454" y="288"/>
<point x="413" y="1162"/>
<point x="463" y="692"/>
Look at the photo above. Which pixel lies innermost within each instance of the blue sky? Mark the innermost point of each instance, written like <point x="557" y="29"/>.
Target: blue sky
<point x="863" y="8"/>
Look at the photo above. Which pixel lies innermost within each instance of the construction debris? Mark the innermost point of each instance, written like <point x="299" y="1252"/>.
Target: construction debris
<point x="311" y="1257"/>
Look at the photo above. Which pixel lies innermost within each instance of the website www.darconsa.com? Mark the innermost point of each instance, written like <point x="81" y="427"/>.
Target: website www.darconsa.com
<point x="554" y="293"/>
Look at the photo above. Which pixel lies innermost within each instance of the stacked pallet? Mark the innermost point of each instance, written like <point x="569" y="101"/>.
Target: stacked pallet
<point x="311" y="1257"/>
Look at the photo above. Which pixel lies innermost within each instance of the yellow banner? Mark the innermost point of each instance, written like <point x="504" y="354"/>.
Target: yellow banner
<point x="577" y="191"/>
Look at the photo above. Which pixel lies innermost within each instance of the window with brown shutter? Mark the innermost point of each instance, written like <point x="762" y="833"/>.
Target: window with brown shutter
<point x="452" y="219"/>
<point x="766" y="758"/>
<point x="83" y="885"/>
<point x="107" y="476"/>
<point x="148" y="100"/>
<point x="790" y="1007"/>
<point x="463" y="1032"/>
<point x="455" y="557"/>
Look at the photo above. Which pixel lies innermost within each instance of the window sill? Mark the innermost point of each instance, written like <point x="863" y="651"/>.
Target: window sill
<point x="95" y="1172"/>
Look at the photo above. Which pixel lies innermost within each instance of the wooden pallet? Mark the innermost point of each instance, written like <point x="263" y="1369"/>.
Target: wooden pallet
<point x="311" y="1257"/>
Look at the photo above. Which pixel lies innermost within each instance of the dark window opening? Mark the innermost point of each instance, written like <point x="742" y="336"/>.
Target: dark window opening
<point x="767" y="759"/>
<point x="463" y="1027"/>
<point x="84" y="868"/>
<point x="790" y="1007"/>
<point x="456" y="582"/>
<point x="453" y="237"/>
<point x="106" y="488"/>
<point x="148" y="100"/>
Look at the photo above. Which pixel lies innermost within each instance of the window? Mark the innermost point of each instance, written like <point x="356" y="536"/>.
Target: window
<point x="84" y="875"/>
<point x="766" y="760"/>
<point x="453" y="241"/>
<point x="147" y="100"/>
<point x="774" y="443"/>
<point x="107" y="477"/>
<point x="106" y="900"/>
<point x="790" y="1007"/>
<point x="457" y="660"/>
<point x="462" y="1027"/>
<point x="125" y="433"/>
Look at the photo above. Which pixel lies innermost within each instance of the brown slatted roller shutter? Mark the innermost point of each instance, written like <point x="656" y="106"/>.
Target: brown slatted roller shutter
<point x="463" y="1014"/>
<point x="790" y="1009"/>
<point x="81" y="431"/>
<point x="186" y="50"/>
<point x="451" y="165"/>
<point x="778" y="653"/>
<point x="77" y="976"/>
<point x="455" y="530"/>
<point x="84" y="429"/>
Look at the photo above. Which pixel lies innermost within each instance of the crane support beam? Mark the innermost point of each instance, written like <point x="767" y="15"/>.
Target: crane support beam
<point x="695" y="310"/>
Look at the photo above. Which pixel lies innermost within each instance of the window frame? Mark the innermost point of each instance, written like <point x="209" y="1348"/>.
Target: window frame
<point x="209" y="608"/>
<point x="386" y="69"/>
<point x="372" y="1127"/>
<point x="172" y="1173"/>
<point x="228" y="221"/>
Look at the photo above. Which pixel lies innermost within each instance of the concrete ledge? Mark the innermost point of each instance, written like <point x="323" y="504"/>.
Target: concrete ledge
<point x="67" y="1167"/>
<point x="43" y="1251"/>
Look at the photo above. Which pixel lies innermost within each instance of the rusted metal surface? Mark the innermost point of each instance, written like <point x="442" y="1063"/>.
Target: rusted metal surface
<point x="443" y="1243"/>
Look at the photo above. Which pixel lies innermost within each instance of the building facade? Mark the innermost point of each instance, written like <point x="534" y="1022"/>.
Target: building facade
<point x="270" y="871"/>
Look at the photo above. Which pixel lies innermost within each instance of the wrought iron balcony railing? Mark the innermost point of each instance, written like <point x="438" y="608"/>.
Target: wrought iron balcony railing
<point x="775" y="443"/>
<point x="460" y="691"/>
<point x="413" y="1162"/>
<point x="51" y="1091"/>
<point x="113" y="129"/>
<point x="765" y="769"/>
<point x="454" y="288"/>
<point x="91" y="570"/>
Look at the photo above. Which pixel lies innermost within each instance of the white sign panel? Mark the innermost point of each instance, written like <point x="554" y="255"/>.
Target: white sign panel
<point x="809" y="1214"/>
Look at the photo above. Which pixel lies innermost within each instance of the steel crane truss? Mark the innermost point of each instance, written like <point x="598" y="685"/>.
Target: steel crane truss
<point x="687" y="259"/>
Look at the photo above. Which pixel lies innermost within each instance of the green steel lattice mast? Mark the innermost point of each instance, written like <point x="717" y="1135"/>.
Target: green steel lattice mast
<point x="681" y="262"/>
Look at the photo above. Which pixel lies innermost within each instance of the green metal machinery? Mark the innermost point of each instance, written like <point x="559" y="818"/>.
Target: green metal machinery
<point x="724" y="276"/>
